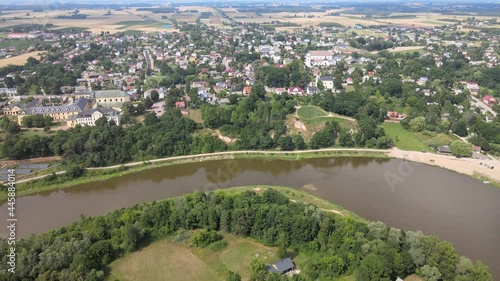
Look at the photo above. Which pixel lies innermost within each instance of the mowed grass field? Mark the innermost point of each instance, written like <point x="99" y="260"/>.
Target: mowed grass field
<point x="21" y="59"/>
<point x="165" y="260"/>
<point x="407" y="140"/>
<point x="315" y="117"/>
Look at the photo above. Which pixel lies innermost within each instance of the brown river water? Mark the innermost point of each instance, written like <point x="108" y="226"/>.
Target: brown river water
<point x="402" y="194"/>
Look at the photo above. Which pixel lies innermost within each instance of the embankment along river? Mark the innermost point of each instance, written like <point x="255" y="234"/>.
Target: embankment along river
<point x="402" y="194"/>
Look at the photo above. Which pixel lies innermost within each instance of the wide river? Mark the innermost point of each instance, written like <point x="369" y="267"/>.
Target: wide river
<point x="402" y="194"/>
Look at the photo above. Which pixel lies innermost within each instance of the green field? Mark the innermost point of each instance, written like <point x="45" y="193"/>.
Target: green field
<point x="178" y="261"/>
<point x="20" y="44"/>
<point x="72" y="28"/>
<point x="308" y="111"/>
<point x="195" y="114"/>
<point x="129" y="23"/>
<point x="132" y="32"/>
<point x="404" y="139"/>
<point x="314" y="117"/>
<point x="408" y="140"/>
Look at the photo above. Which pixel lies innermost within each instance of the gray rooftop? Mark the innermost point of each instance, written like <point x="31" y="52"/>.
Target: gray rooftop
<point x="281" y="266"/>
<point x="77" y="106"/>
<point x="110" y="94"/>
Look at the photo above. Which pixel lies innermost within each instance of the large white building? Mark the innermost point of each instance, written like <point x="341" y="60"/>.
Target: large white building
<point x="320" y="58"/>
<point x="88" y="117"/>
<point x="111" y="98"/>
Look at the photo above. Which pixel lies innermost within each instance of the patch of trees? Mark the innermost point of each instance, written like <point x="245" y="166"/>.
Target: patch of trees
<point x="205" y="238"/>
<point x="72" y="17"/>
<point x="460" y="148"/>
<point x="371" y="45"/>
<point x="159" y="10"/>
<point x="49" y="77"/>
<point x="335" y="245"/>
<point x="293" y="75"/>
<point x="37" y="121"/>
<point x="108" y="144"/>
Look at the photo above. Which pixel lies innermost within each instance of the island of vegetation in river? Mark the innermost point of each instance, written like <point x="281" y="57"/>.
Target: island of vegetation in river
<point x="323" y="244"/>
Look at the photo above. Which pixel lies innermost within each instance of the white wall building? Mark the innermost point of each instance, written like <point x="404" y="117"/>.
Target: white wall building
<point x="88" y="117"/>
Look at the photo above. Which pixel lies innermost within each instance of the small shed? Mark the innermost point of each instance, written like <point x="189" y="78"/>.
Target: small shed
<point x="444" y="149"/>
<point x="476" y="149"/>
<point x="282" y="266"/>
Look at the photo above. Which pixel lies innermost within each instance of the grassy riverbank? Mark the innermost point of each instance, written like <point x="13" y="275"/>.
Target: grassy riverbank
<point x="296" y="195"/>
<point x="54" y="182"/>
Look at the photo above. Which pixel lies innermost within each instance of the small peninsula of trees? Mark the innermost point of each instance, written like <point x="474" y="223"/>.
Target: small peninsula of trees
<point x="335" y="245"/>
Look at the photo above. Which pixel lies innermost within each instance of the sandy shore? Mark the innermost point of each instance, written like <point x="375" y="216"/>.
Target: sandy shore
<point x="466" y="166"/>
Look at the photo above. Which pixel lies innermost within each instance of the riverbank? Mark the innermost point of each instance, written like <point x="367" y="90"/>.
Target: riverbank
<point x="42" y="183"/>
<point x="467" y="166"/>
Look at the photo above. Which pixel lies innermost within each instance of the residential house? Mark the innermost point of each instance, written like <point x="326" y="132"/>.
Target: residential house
<point x="280" y="91"/>
<point x="473" y="87"/>
<point x="88" y="117"/>
<point x="282" y="266"/>
<point x="295" y="91"/>
<point x="311" y="90"/>
<point x="180" y="104"/>
<point x="327" y="82"/>
<point x="199" y="84"/>
<point x="489" y="100"/>
<point x="247" y="90"/>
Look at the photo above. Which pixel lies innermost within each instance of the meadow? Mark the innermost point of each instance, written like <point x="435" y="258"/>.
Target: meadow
<point x="407" y="140"/>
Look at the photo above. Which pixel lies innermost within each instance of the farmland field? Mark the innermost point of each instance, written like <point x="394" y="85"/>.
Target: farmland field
<point x="21" y="59"/>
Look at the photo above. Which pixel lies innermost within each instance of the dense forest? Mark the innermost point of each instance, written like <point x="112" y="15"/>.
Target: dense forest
<point x="336" y="245"/>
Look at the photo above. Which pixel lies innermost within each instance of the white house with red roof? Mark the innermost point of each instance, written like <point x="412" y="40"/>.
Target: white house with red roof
<point x="295" y="91"/>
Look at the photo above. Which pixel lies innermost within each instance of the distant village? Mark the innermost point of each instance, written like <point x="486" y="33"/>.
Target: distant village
<point x="105" y="85"/>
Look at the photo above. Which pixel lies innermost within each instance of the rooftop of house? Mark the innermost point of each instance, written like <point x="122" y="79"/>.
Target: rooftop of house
<point x="281" y="266"/>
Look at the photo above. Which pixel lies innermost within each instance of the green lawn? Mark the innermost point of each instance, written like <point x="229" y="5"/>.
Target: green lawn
<point x="309" y="111"/>
<point x="165" y="260"/>
<point x="20" y="44"/>
<point x="195" y="114"/>
<point x="407" y="140"/>
<point x="404" y="139"/>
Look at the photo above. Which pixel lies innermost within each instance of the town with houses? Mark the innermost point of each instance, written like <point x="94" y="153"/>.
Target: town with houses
<point x="79" y="106"/>
<point x="221" y="72"/>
